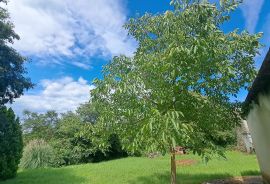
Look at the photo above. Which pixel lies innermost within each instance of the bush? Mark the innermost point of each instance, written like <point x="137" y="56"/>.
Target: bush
<point x="70" y="145"/>
<point x="72" y="136"/>
<point x="225" y="139"/>
<point x="37" y="154"/>
<point x="76" y="142"/>
<point x="10" y="143"/>
<point x="114" y="150"/>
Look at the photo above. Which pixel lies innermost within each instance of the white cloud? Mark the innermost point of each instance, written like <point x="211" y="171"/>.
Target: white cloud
<point x="70" y="28"/>
<point x="81" y="65"/>
<point x="251" y="10"/>
<point x="61" y="95"/>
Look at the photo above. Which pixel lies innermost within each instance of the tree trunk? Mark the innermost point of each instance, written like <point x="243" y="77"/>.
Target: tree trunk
<point x="173" y="167"/>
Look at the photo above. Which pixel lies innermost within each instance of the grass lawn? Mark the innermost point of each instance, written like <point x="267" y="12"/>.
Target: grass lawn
<point x="141" y="171"/>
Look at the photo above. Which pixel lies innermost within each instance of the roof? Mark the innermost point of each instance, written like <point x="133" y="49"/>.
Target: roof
<point x="261" y="83"/>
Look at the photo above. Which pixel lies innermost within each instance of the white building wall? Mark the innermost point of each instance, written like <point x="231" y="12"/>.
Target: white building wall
<point x="259" y="126"/>
<point x="246" y="137"/>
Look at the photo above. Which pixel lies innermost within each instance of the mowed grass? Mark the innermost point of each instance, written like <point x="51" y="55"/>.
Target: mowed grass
<point x="142" y="171"/>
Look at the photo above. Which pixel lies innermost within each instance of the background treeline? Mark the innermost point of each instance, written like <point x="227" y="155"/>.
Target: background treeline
<point x="70" y="138"/>
<point x="52" y="139"/>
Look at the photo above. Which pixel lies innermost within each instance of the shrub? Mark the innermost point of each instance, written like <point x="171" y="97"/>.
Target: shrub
<point x="37" y="154"/>
<point x="72" y="136"/>
<point x="70" y="146"/>
<point x="10" y="143"/>
<point x="114" y="150"/>
<point x="76" y="142"/>
<point x="225" y="139"/>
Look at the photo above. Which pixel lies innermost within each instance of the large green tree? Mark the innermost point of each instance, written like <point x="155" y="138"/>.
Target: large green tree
<point x="12" y="85"/>
<point x="12" y="81"/>
<point x="176" y="89"/>
<point x="10" y="143"/>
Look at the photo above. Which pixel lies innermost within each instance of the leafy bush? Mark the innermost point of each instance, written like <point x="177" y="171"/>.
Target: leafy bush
<point x="225" y="138"/>
<point x="71" y="147"/>
<point x="10" y="143"/>
<point x="77" y="142"/>
<point x="114" y="150"/>
<point x="73" y="136"/>
<point x="37" y="154"/>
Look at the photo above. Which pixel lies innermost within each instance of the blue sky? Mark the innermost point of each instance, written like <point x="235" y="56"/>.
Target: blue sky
<point x="67" y="42"/>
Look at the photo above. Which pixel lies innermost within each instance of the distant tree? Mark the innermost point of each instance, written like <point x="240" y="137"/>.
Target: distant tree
<point x="39" y="126"/>
<point x="12" y="81"/>
<point x="176" y="88"/>
<point x="87" y="113"/>
<point x="71" y="146"/>
<point x="10" y="143"/>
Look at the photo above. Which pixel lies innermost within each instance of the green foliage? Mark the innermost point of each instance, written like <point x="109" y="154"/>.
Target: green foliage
<point x="226" y="138"/>
<point x="12" y="85"/>
<point x="176" y="88"/>
<point x="78" y="142"/>
<point x="115" y="147"/>
<point x="10" y="143"/>
<point x="39" y="126"/>
<point x="74" y="136"/>
<point x="71" y="146"/>
<point x="87" y="113"/>
<point x="37" y="154"/>
<point x="12" y="81"/>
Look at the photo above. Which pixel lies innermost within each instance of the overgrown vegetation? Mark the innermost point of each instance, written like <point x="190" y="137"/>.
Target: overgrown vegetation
<point x="73" y="136"/>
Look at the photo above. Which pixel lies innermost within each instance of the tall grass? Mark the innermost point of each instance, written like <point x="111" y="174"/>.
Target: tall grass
<point x="37" y="154"/>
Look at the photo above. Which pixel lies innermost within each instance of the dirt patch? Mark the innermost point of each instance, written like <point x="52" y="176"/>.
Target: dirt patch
<point x="186" y="162"/>
<point x="266" y="177"/>
<point x="238" y="180"/>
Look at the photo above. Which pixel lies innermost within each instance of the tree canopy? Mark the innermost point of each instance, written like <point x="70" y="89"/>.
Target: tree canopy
<point x="176" y="88"/>
<point x="12" y="81"/>
<point x="39" y="126"/>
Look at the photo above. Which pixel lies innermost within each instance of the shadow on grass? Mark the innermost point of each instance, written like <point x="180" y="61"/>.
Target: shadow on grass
<point x="46" y="176"/>
<point x="181" y="178"/>
<point x="250" y="173"/>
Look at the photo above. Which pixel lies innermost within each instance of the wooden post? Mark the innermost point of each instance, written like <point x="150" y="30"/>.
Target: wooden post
<point x="173" y="167"/>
